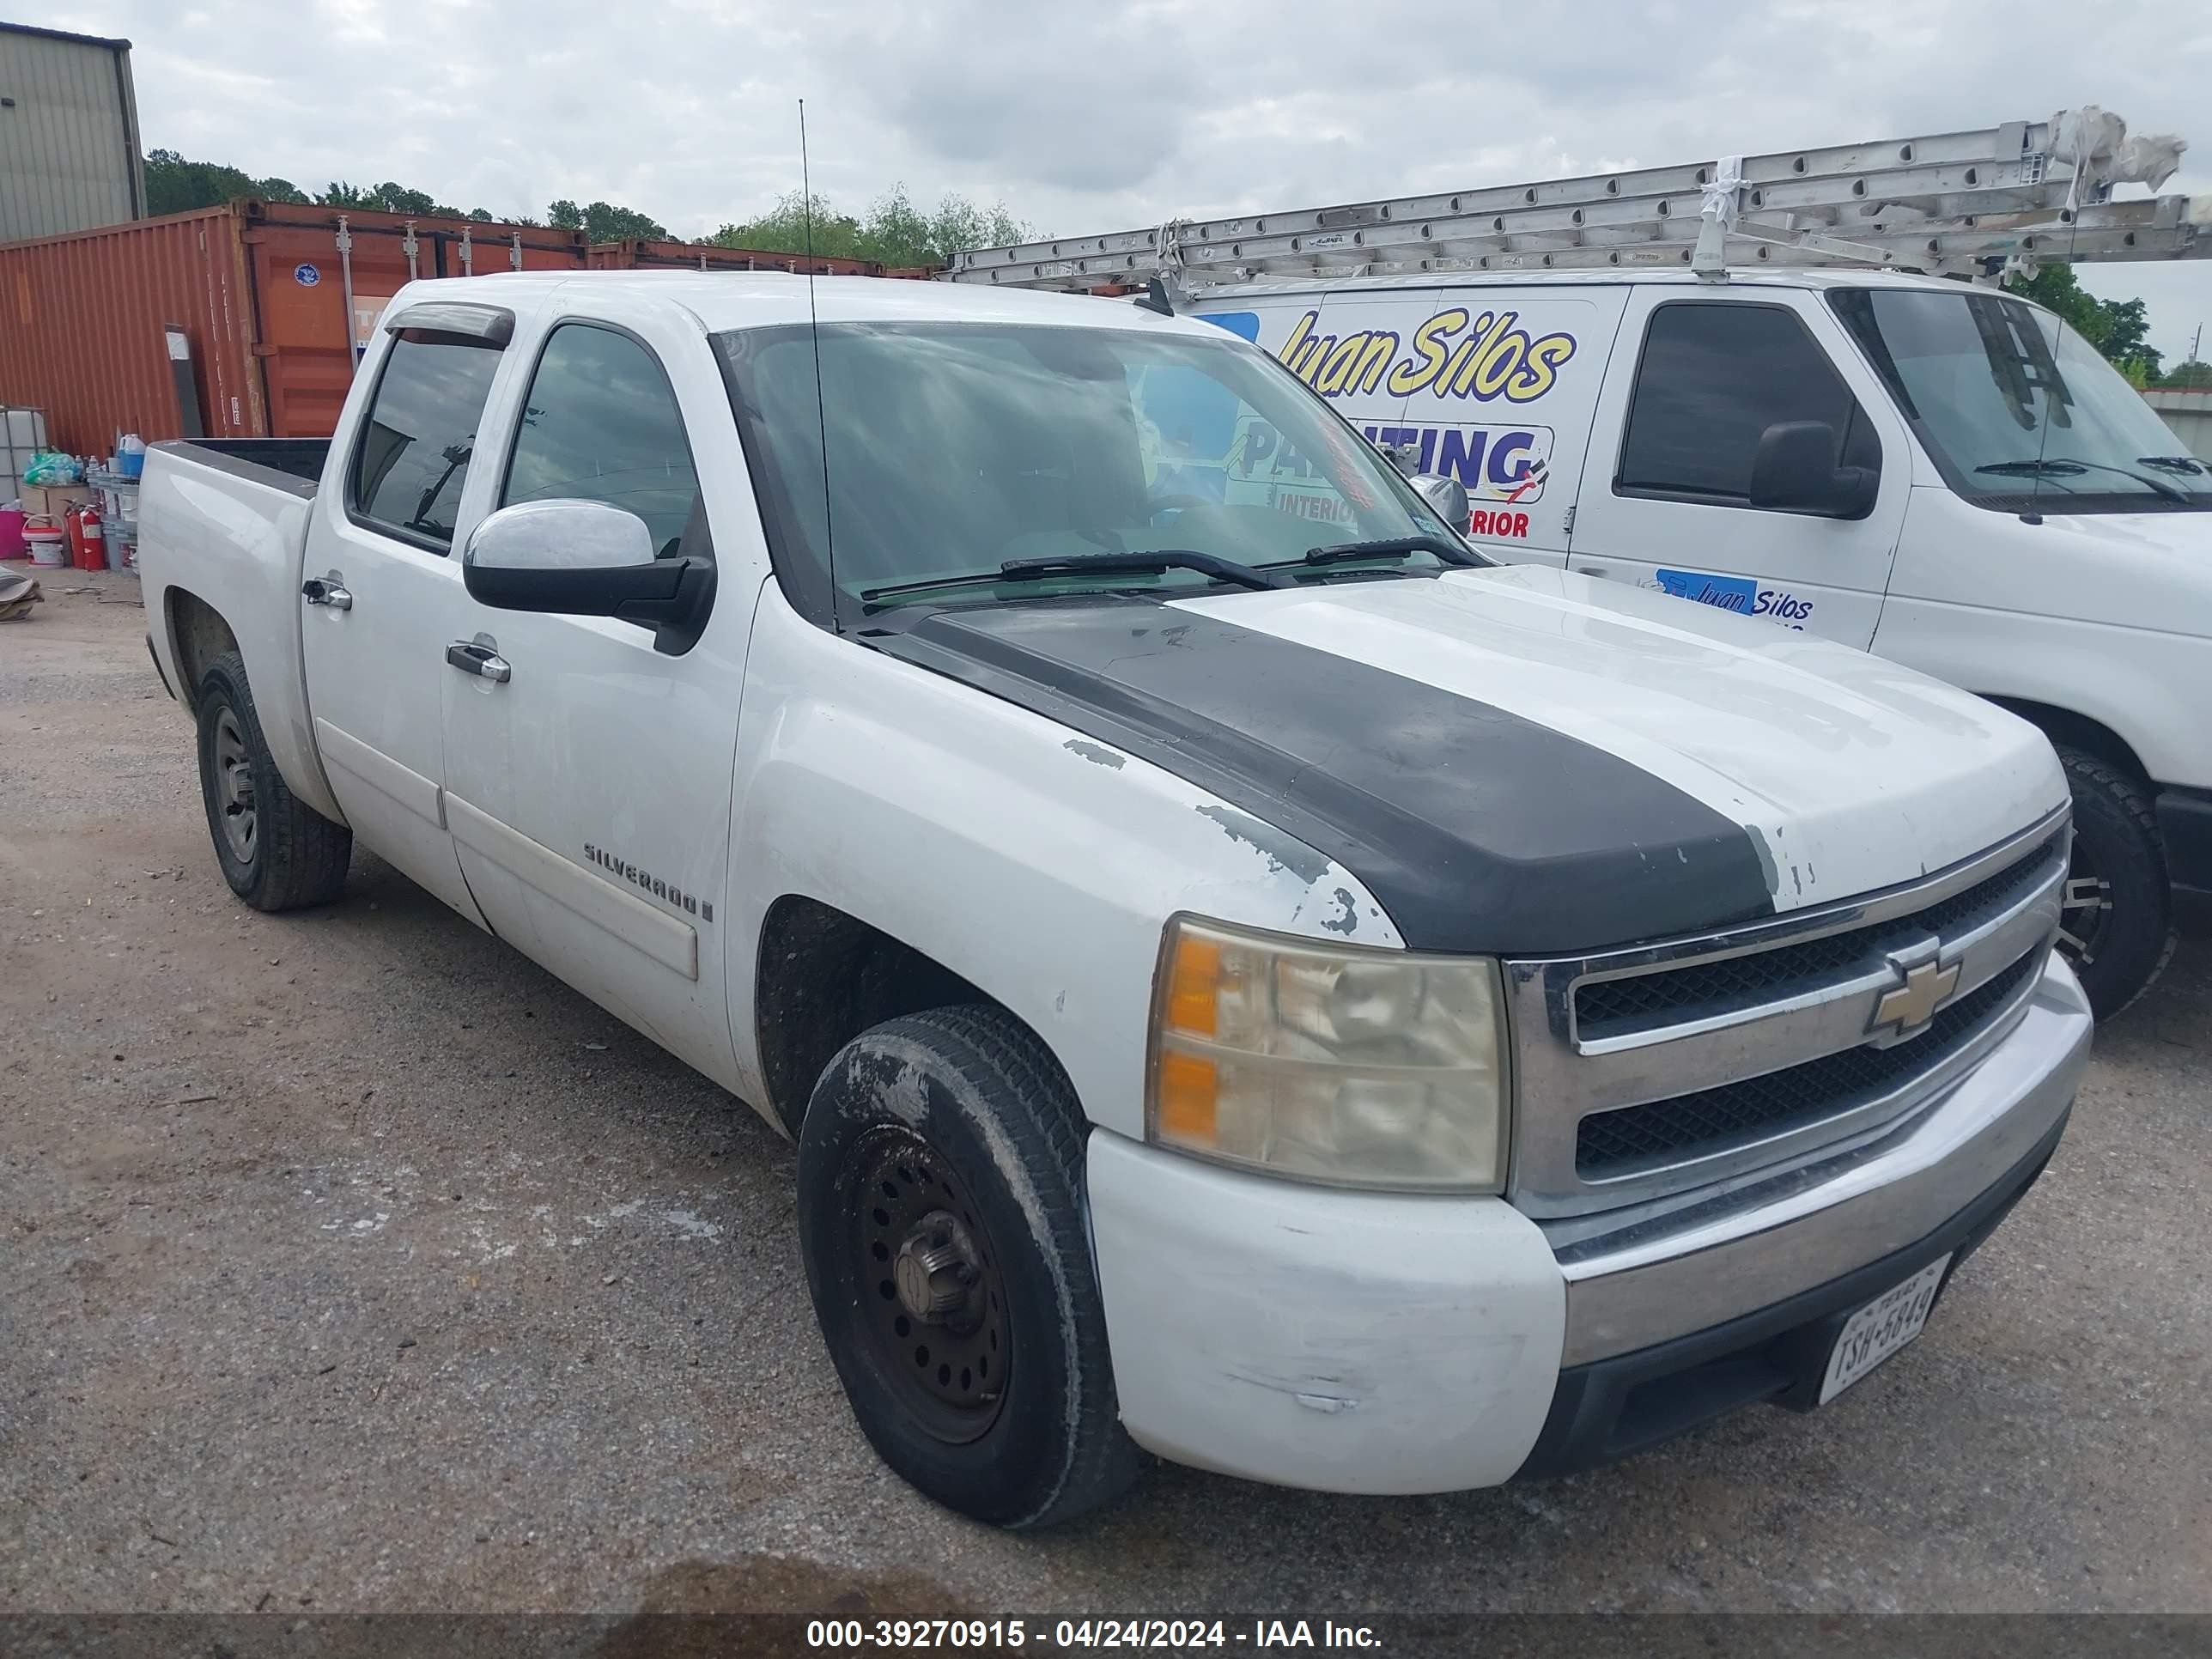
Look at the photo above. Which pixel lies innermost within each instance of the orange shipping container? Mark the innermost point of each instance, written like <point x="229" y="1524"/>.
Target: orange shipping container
<point x="260" y="291"/>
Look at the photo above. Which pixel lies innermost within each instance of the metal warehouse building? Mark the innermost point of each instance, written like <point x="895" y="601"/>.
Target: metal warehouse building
<point x="68" y="133"/>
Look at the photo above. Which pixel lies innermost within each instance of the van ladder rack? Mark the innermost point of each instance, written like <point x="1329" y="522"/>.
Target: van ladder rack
<point x="1976" y="203"/>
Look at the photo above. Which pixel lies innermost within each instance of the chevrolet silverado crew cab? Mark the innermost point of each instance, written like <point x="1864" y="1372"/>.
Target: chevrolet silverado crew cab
<point x="1945" y="475"/>
<point x="1251" y="980"/>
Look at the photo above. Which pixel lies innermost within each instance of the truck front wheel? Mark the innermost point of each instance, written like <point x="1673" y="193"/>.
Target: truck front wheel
<point x="940" y="1173"/>
<point x="277" y="853"/>
<point x="2117" y="928"/>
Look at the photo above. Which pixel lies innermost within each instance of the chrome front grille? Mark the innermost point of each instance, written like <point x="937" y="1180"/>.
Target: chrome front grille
<point x="1618" y="1143"/>
<point x="1666" y="1068"/>
<point x="1619" y="1007"/>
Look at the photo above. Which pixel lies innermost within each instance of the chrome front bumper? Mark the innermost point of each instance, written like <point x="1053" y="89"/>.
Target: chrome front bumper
<point x="1761" y="1244"/>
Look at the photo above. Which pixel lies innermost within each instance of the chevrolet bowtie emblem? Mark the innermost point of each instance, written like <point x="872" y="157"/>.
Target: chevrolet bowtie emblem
<point x="1903" y="1009"/>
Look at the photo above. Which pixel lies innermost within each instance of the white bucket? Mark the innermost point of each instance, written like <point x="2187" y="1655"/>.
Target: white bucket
<point x="48" y="542"/>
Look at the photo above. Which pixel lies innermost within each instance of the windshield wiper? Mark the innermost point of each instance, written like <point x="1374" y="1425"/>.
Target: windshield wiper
<point x="2188" y="463"/>
<point x="1385" y="547"/>
<point x="2068" y="466"/>
<point x="1151" y="562"/>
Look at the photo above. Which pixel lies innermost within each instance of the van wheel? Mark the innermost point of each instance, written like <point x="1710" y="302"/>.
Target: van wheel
<point x="2118" y="929"/>
<point x="276" y="853"/>
<point x="940" y="1175"/>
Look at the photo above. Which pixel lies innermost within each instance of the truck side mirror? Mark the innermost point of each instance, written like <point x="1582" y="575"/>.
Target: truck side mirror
<point x="1794" y="470"/>
<point x="584" y="559"/>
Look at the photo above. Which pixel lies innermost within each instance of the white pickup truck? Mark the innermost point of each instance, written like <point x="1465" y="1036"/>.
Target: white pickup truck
<point x="1250" y="980"/>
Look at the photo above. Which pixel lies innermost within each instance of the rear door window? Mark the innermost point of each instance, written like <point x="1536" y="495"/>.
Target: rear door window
<point x="1713" y="378"/>
<point x="413" y="455"/>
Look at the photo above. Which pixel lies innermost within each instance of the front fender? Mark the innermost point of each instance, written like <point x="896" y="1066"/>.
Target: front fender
<point x="1036" y="863"/>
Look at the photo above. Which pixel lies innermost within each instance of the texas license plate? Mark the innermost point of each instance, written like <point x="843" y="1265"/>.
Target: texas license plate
<point x="1881" y="1328"/>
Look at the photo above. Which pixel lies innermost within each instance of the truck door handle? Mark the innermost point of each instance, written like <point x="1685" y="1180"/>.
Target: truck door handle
<point x="473" y="657"/>
<point x="326" y="590"/>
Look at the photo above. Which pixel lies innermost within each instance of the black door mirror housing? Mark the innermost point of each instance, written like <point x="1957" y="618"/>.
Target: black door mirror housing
<point x="1795" y="472"/>
<point x="581" y="558"/>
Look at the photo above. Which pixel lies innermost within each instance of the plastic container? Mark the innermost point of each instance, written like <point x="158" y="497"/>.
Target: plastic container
<point x="118" y="501"/>
<point x="12" y="545"/>
<point x="48" y="541"/>
<point x="130" y="455"/>
<point x="22" y="433"/>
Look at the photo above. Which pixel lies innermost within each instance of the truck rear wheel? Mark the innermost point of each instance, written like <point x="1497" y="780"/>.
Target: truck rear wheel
<point x="2118" y="930"/>
<point x="277" y="853"/>
<point x="940" y="1172"/>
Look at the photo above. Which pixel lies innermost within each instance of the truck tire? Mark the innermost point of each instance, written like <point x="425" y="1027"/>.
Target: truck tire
<point x="2118" y="929"/>
<point x="277" y="853"/>
<point x="941" y="1220"/>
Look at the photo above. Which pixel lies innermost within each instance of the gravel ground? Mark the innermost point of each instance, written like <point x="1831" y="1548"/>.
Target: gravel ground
<point x="352" y="1263"/>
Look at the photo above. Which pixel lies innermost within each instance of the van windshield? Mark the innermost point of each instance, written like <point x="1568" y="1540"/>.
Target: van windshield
<point x="2018" y="411"/>
<point x="953" y="449"/>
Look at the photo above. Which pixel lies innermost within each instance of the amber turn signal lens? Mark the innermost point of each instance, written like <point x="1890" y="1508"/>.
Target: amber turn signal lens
<point x="1188" y="1086"/>
<point x="1195" y="988"/>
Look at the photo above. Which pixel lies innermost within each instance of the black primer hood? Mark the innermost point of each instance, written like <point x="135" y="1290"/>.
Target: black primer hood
<point x="1477" y="829"/>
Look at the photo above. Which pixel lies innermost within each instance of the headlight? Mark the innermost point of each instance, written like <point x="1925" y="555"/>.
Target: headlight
<point x="1360" y="1068"/>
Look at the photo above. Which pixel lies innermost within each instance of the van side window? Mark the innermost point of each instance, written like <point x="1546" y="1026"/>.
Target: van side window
<point x="599" y="423"/>
<point x="415" y="446"/>
<point x="1714" y="377"/>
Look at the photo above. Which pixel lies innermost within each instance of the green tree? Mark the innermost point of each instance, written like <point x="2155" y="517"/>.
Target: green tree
<point x="175" y="185"/>
<point x="2116" y="327"/>
<point x="783" y="229"/>
<point x="603" y="222"/>
<point x="959" y="225"/>
<point x="2189" y="375"/>
<point x="893" y="232"/>
<point x="398" y="199"/>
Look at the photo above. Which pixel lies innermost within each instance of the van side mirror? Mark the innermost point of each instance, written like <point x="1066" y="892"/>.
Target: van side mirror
<point x="1446" y="496"/>
<point x="1794" y="470"/>
<point x="584" y="559"/>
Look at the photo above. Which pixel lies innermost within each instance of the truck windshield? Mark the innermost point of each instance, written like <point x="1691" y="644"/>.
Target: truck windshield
<point x="2018" y="411"/>
<point x="954" y="448"/>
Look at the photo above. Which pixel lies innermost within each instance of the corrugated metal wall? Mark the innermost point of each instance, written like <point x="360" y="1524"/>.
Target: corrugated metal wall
<point x="69" y="142"/>
<point x="80" y="328"/>
<point x="259" y="289"/>
<point x="304" y="340"/>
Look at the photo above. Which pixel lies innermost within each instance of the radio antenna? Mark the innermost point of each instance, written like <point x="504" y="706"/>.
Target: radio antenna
<point x="821" y="408"/>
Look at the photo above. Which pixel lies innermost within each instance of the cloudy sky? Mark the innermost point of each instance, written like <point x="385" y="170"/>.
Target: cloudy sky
<point x="1087" y="116"/>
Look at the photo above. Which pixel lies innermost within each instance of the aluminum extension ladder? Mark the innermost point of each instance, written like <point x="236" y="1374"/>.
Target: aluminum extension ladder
<point x="1977" y="204"/>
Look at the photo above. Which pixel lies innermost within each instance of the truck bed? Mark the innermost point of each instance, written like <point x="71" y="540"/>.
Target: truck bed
<point x="290" y="463"/>
<point x="223" y="530"/>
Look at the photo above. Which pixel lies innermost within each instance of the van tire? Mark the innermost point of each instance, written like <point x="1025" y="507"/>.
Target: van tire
<point x="2118" y="921"/>
<point x="287" y="855"/>
<point x="959" y="1118"/>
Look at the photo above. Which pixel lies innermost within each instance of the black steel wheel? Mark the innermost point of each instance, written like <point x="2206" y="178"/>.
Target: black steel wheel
<point x="940" y="1217"/>
<point x="277" y="853"/>
<point x="937" y="1314"/>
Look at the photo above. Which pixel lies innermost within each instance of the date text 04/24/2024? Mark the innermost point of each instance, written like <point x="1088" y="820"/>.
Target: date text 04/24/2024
<point x="927" y="1634"/>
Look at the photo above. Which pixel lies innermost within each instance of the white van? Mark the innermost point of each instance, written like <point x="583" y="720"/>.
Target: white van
<point x="1940" y="473"/>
